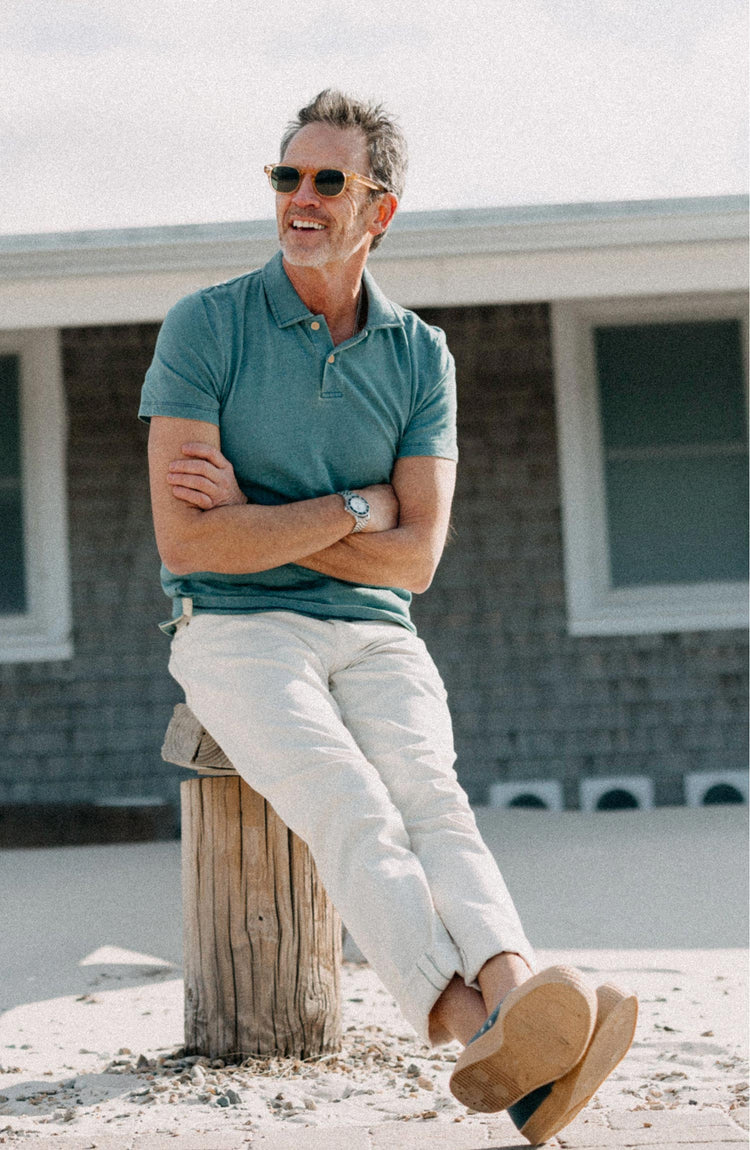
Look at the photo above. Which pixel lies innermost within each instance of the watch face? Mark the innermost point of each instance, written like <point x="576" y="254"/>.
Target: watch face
<point x="359" y="504"/>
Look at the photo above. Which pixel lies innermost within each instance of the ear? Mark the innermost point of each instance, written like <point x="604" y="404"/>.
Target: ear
<point x="385" y="211"/>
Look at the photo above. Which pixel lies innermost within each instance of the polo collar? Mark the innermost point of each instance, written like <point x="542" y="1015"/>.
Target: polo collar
<point x="288" y="308"/>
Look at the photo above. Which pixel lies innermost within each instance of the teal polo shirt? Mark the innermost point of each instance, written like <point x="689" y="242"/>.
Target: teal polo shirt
<point x="300" y="418"/>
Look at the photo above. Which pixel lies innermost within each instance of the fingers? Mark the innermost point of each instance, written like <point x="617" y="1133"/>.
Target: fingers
<point x="203" y="460"/>
<point x="205" y="451"/>
<point x="197" y="467"/>
<point x="204" y="477"/>
<point x="194" y="498"/>
<point x="195" y="481"/>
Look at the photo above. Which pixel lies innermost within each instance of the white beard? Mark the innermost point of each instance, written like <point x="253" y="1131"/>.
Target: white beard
<point x="330" y="247"/>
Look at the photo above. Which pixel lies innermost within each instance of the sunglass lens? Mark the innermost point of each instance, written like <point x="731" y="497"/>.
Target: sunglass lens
<point x="330" y="182"/>
<point x="284" y="179"/>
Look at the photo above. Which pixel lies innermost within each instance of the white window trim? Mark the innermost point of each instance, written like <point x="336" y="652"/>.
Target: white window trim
<point x="594" y="606"/>
<point x="43" y="631"/>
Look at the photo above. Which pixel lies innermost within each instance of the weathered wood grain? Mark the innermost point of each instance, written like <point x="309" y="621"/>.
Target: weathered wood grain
<point x="188" y="743"/>
<point x="262" y="940"/>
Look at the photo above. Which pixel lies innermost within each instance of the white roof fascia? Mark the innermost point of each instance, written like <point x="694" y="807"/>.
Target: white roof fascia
<point x="472" y="256"/>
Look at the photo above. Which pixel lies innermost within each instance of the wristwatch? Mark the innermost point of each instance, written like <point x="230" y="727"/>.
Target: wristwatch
<point x="357" y="506"/>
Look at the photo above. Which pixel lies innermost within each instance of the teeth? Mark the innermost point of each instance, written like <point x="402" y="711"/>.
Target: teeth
<point x="308" y="224"/>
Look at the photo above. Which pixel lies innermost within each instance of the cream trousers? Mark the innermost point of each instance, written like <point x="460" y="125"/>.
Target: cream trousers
<point x="343" y="727"/>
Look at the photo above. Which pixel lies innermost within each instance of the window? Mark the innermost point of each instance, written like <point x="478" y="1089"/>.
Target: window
<point x="12" y="560"/>
<point x="34" y="572"/>
<point x="651" y="404"/>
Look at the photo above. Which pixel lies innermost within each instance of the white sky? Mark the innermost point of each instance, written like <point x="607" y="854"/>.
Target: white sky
<point x="124" y="113"/>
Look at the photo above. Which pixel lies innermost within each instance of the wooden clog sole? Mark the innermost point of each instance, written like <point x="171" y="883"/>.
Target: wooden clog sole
<point x="542" y="1030"/>
<point x="613" y="1034"/>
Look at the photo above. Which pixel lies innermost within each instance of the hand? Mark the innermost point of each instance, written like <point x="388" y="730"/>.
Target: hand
<point x="383" y="507"/>
<point x="204" y="478"/>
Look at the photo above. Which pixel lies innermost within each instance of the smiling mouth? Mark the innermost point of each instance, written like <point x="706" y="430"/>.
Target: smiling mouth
<point x="307" y="225"/>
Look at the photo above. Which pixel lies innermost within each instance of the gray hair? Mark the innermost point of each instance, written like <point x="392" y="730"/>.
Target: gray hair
<point x="386" y="144"/>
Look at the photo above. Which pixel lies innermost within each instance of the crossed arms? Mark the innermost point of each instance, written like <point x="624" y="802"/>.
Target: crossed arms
<point x="203" y="522"/>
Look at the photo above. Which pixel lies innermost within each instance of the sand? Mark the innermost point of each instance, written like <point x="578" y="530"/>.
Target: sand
<point x="90" y="1035"/>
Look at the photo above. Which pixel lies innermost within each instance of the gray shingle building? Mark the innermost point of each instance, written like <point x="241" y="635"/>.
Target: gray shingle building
<point x="589" y="613"/>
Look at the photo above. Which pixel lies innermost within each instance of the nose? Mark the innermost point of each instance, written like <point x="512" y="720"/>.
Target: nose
<point x="306" y="194"/>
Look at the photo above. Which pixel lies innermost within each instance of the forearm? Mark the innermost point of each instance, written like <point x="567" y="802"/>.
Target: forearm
<point x="405" y="557"/>
<point x="239" y="540"/>
<point x="203" y="521"/>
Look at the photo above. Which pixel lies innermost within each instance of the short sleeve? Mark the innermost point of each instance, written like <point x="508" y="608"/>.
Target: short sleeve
<point x="186" y="375"/>
<point x="432" y="427"/>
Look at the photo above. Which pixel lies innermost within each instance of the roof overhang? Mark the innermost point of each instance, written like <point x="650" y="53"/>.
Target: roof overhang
<point x="473" y="256"/>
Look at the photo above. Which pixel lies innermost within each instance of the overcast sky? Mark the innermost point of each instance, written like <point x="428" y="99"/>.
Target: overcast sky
<point x="123" y="113"/>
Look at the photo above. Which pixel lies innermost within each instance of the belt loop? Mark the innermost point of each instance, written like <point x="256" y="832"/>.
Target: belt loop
<point x="187" y="609"/>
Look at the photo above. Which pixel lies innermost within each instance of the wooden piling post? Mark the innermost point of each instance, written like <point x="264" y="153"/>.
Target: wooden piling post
<point x="262" y="940"/>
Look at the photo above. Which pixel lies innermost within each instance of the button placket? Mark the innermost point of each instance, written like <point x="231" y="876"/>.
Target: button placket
<point x="330" y="386"/>
<point x="331" y="367"/>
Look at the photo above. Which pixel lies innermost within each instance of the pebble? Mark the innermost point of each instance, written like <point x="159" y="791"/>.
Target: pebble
<point x="425" y="1083"/>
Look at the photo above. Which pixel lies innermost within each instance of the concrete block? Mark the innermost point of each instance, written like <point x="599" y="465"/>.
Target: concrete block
<point x="543" y="793"/>
<point x="595" y="792"/>
<point x="700" y="785"/>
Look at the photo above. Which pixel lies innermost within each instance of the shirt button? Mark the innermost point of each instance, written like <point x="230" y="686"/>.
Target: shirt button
<point x="315" y="325"/>
<point x="331" y="358"/>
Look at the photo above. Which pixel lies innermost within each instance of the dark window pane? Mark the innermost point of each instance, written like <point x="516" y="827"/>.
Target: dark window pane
<point x="12" y="574"/>
<point x="673" y="419"/>
<point x="671" y="383"/>
<point x="677" y="520"/>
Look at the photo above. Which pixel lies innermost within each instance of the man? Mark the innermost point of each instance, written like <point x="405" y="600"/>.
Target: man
<point x="302" y="459"/>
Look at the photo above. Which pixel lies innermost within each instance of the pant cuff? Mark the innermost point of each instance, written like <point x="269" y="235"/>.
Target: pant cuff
<point x="514" y="942"/>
